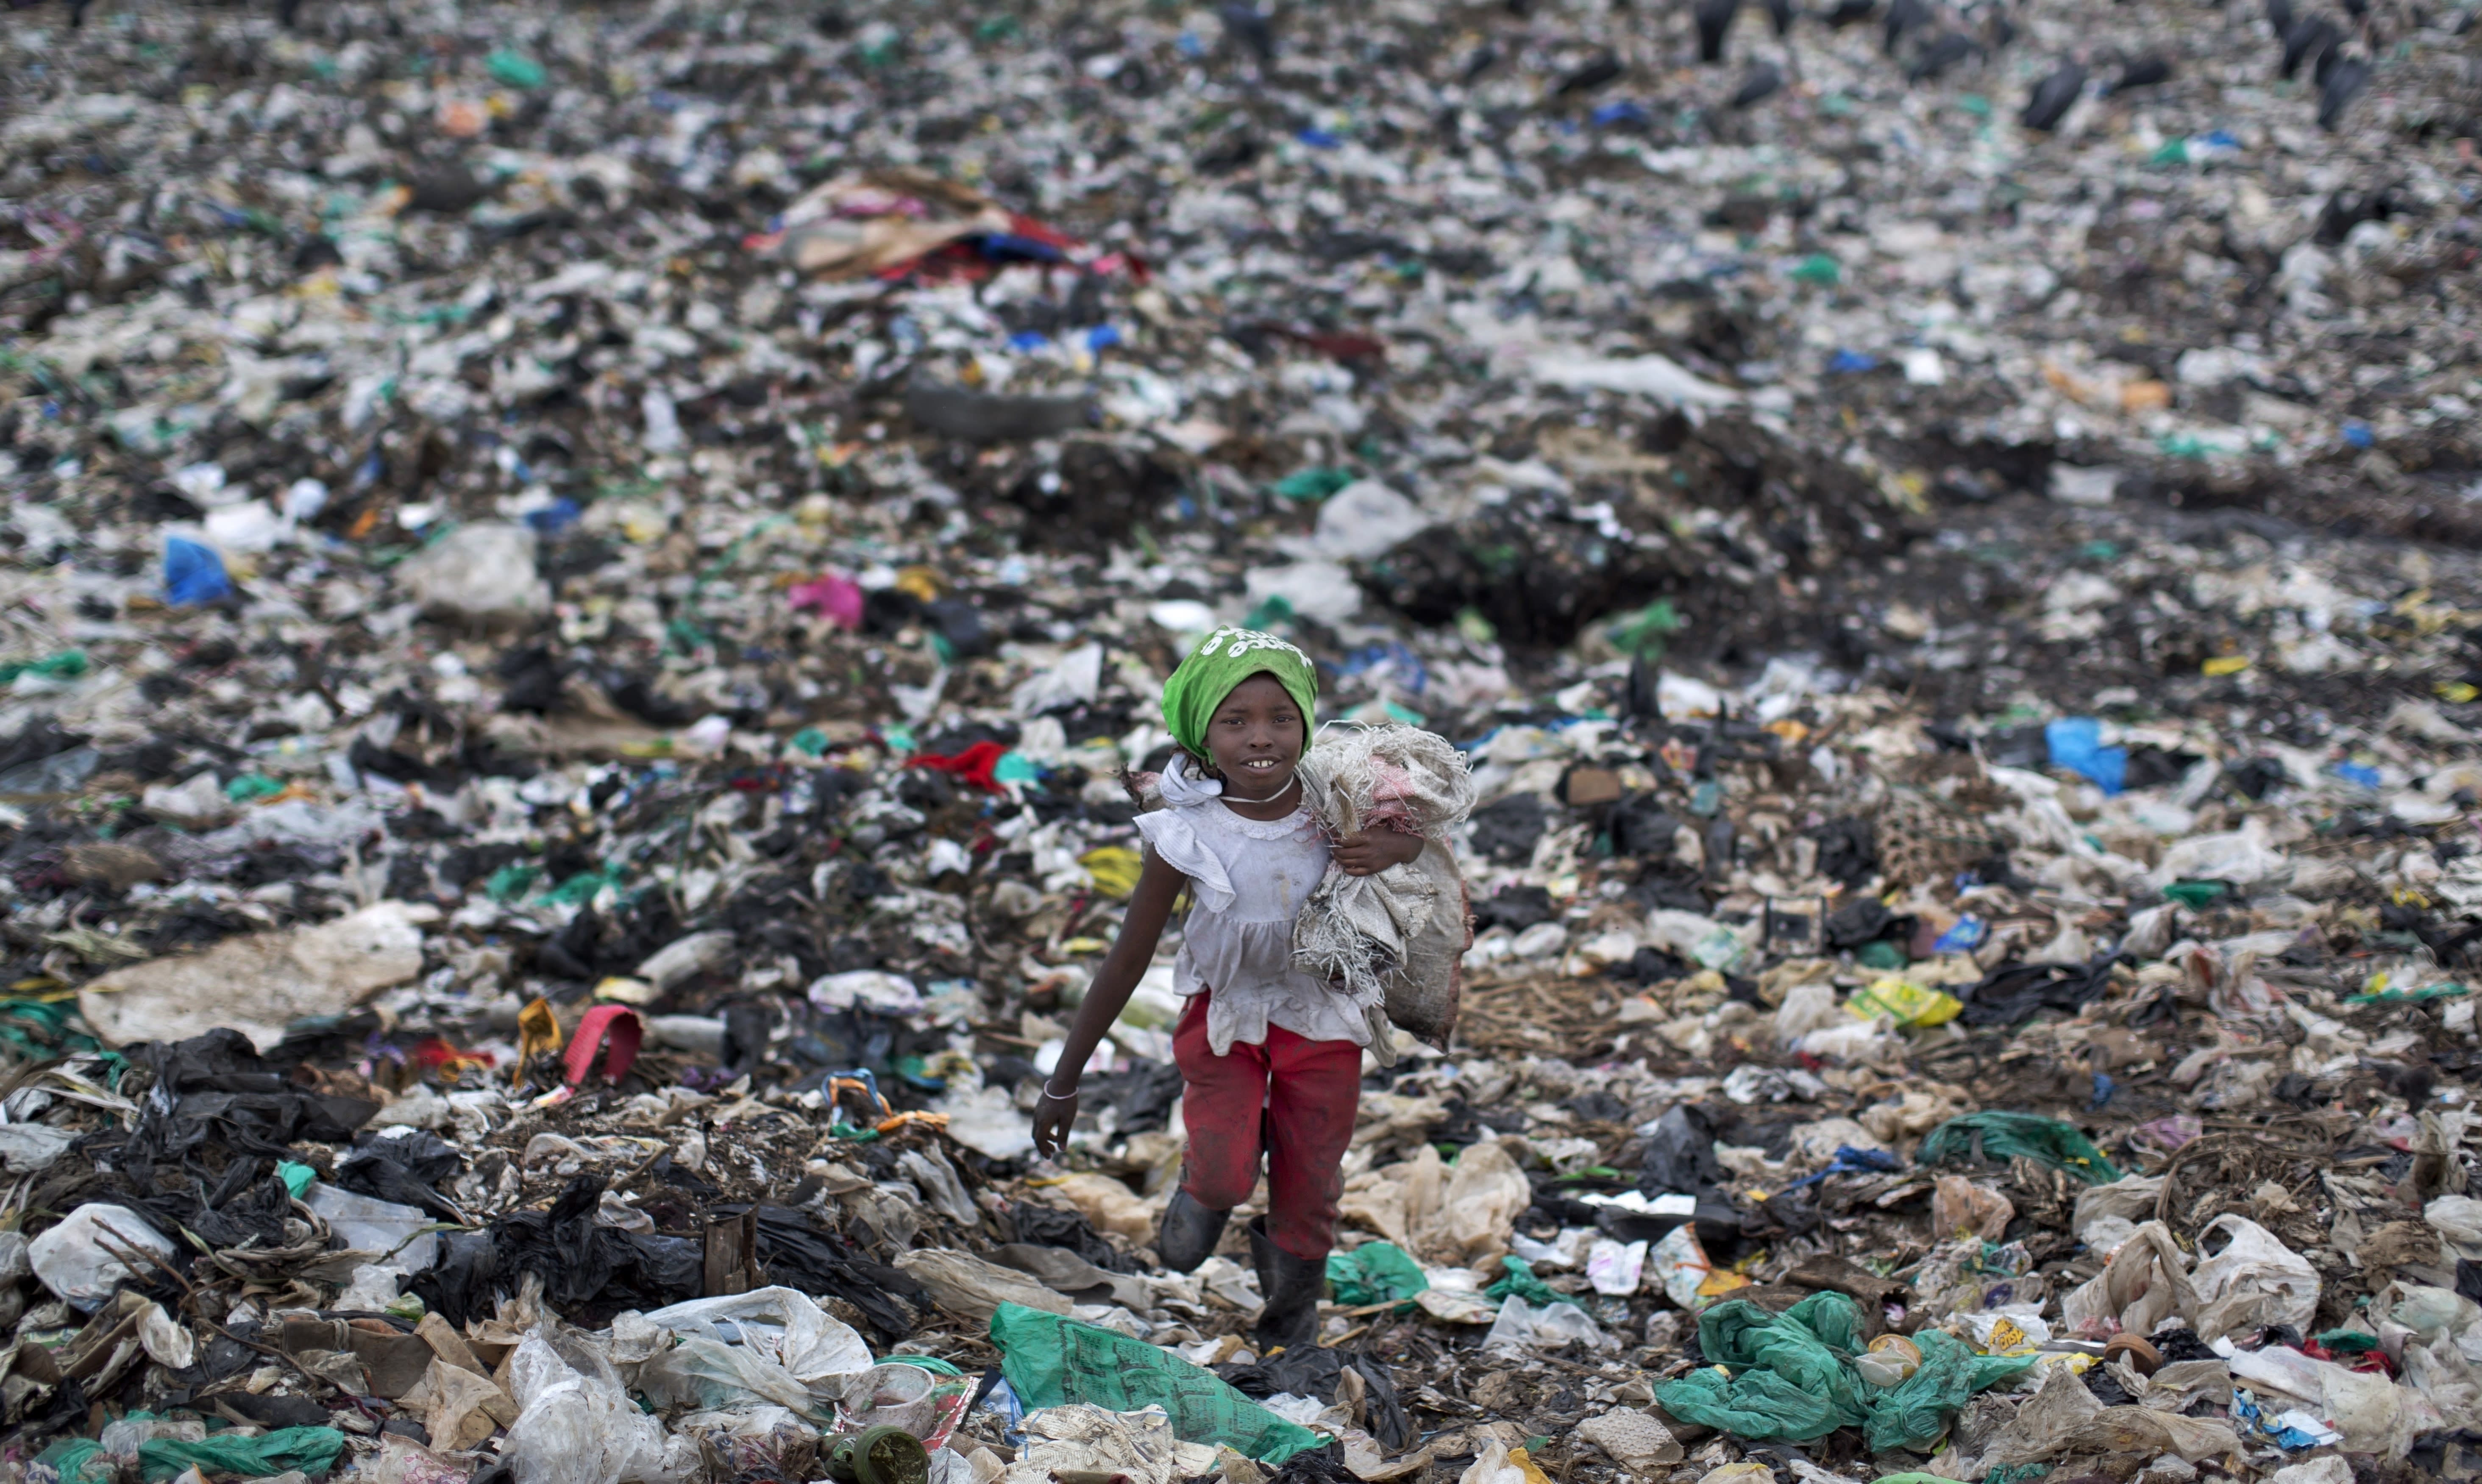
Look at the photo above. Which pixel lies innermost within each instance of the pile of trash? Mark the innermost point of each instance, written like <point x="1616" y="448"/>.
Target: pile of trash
<point x="583" y="583"/>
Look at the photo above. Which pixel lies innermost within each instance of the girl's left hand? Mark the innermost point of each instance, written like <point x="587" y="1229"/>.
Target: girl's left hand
<point x="1375" y="850"/>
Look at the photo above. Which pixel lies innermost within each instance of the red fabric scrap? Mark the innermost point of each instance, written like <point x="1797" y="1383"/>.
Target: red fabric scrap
<point x="975" y="764"/>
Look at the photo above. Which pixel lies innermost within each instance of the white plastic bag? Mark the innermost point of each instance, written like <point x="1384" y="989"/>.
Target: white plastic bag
<point x="579" y="1427"/>
<point x="2146" y="1281"/>
<point x="80" y="1259"/>
<point x="2107" y="1215"/>
<point x="2368" y="1410"/>
<point x="482" y="573"/>
<point x="1616" y="1267"/>
<point x="1520" y="1326"/>
<point x="2255" y="1281"/>
<point x="390" y="1232"/>
<point x="2458" y="1221"/>
<point x="1806" y="1008"/>
<point x="781" y="1324"/>
<point x="712" y="1376"/>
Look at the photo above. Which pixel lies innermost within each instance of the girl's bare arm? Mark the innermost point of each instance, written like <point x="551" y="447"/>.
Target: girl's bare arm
<point x="1141" y="929"/>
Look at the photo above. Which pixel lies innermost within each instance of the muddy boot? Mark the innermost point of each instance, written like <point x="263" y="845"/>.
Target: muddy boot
<point x="1293" y="1285"/>
<point x="1189" y="1233"/>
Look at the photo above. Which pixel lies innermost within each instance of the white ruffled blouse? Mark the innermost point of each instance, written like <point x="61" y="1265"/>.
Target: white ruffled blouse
<point x="1248" y="879"/>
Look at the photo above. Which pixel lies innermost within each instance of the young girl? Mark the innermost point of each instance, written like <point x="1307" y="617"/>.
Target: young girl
<point x="1271" y="1056"/>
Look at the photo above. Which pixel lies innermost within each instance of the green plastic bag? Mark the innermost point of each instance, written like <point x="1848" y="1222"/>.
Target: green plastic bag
<point x="1784" y="1375"/>
<point x="1916" y="1410"/>
<point x="80" y="1460"/>
<point x="1790" y="1376"/>
<point x="1052" y="1362"/>
<point x="1997" y="1137"/>
<point x="1373" y="1273"/>
<point x="308" y="1450"/>
<point x="1519" y="1278"/>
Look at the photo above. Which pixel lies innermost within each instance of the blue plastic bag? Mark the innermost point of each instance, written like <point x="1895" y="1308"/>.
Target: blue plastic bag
<point x="2077" y="745"/>
<point x="194" y="573"/>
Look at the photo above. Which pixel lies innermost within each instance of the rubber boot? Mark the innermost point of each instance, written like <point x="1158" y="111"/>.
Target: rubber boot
<point x="1293" y="1285"/>
<point x="1189" y="1233"/>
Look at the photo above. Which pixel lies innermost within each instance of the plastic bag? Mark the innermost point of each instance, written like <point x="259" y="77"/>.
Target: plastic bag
<point x="2368" y="1410"/>
<point x="1906" y="1004"/>
<point x="1960" y="1207"/>
<point x="1052" y="1362"/>
<point x="898" y="1394"/>
<point x="285" y="1450"/>
<point x="2064" y="1417"/>
<point x="1374" y="1273"/>
<point x="1795" y="1378"/>
<point x="2146" y="1281"/>
<point x="194" y="573"/>
<point x="2255" y="1281"/>
<point x="80" y="1460"/>
<point x="1806" y="1008"/>
<point x="1912" y="1413"/>
<point x="1616" y="1267"/>
<point x="1520" y="1326"/>
<point x="483" y="573"/>
<point x="1998" y="1137"/>
<point x="123" y="1437"/>
<point x="1516" y="1279"/>
<point x="753" y="1440"/>
<point x="73" y="1261"/>
<point x="577" y="1426"/>
<point x="1500" y="1464"/>
<point x="2107" y="1215"/>
<point x="1142" y="1446"/>
<point x="2458" y="1221"/>
<point x="404" y="1461"/>
<point x="966" y="1285"/>
<point x="1485" y="1192"/>
<point x="1791" y="1382"/>
<point x="781" y="1324"/>
<point x="711" y="1376"/>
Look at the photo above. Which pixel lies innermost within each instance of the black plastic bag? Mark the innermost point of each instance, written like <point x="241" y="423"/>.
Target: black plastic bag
<point x="1317" y="1372"/>
<point x="461" y="1286"/>
<point x="216" y="1088"/>
<point x="1143" y="1091"/>
<point x="2013" y="992"/>
<point x="793" y="1251"/>
<point x="1053" y="1226"/>
<point x="590" y="1268"/>
<point x="405" y="1167"/>
<point x="1680" y="1156"/>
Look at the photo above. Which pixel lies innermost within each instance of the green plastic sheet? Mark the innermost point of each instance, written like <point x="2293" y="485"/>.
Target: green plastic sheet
<point x="1517" y="1275"/>
<point x="1052" y="1362"/>
<point x="1790" y="1376"/>
<point x="1373" y="1273"/>
<point x="80" y="1460"/>
<point x="308" y="1450"/>
<point x="1998" y="1137"/>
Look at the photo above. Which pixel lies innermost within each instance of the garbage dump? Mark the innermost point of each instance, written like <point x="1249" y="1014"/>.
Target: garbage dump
<point x="589" y="596"/>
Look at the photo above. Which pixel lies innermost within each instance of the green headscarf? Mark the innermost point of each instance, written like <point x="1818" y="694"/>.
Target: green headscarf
<point x="1222" y="660"/>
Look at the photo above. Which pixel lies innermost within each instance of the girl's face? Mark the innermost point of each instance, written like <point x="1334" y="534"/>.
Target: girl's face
<point x="1257" y="737"/>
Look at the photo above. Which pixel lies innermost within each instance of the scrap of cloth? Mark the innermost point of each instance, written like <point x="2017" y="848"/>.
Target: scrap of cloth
<point x="1222" y="660"/>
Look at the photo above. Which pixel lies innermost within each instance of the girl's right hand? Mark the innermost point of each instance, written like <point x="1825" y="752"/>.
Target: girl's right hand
<point x="1052" y="1118"/>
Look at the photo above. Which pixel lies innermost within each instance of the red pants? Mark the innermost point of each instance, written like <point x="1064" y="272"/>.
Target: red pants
<point x="1292" y="1098"/>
